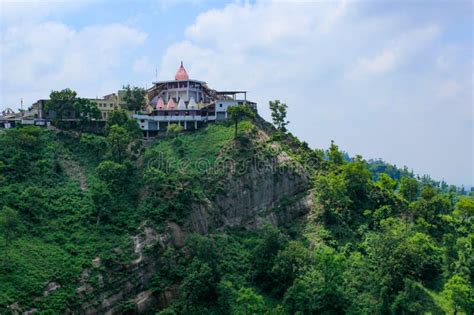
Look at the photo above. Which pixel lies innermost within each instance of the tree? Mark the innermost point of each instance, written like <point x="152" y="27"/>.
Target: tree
<point x="332" y="196"/>
<point x="118" y="140"/>
<point x="278" y="111"/>
<point x="120" y="117"/>
<point x="414" y="299"/>
<point x="200" y="284"/>
<point x="318" y="291"/>
<point x="409" y="188"/>
<point x="102" y="200"/>
<point x="134" y="98"/>
<point x="386" y="182"/>
<point x="465" y="209"/>
<point x="398" y="252"/>
<point x="116" y="117"/>
<point x="358" y="182"/>
<point x="289" y="264"/>
<point x="62" y="102"/>
<point x="9" y="224"/>
<point x="263" y="256"/>
<point x="335" y="156"/>
<point x="96" y="144"/>
<point x="113" y="174"/>
<point x="86" y="110"/>
<point x="459" y="293"/>
<point x="238" y="113"/>
<point x="249" y="302"/>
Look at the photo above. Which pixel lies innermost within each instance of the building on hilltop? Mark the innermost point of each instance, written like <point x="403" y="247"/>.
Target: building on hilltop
<point x="109" y="102"/>
<point x="190" y="103"/>
<point x="184" y="101"/>
<point x="106" y="104"/>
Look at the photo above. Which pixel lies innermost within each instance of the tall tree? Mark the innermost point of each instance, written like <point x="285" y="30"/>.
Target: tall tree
<point x="386" y="182"/>
<point x="460" y="294"/>
<point x="120" y="117"/>
<point x="118" y="140"/>
<point x="113" y="174"/>
<point x="96" y="144"/>
<point x="238" y="113"/>
<point x="9" y="225"/>
<point x="134" y="98"/>
<point x="62" y="102"/>
<point x="335" y="156"/>
<point x="465" y="209"/>
<point x="249" y="302"/>
<point x="278" y="111"/>
<point x="409" y="188"/>
<point x="102" y="200"/>
<point x="86" y="111"/>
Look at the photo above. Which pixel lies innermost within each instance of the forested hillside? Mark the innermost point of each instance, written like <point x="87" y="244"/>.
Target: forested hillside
<point x="219" y="222"/>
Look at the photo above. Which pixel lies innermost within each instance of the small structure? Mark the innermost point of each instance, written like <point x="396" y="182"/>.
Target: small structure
<point x="106" y="104"/>
<point x="7" y="118"/>
<point x="109" y="102"/>
<point x="197" y="104"/>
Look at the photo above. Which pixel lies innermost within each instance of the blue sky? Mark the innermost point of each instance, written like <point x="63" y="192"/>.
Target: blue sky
<point x="388" y="79"/>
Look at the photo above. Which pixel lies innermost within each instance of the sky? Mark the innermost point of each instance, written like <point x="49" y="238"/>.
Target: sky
<point x="383" y="79"/>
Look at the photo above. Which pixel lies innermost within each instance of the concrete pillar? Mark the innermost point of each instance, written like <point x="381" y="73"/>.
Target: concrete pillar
<point x="185" y="125"/>
<point x="195" y="124"/>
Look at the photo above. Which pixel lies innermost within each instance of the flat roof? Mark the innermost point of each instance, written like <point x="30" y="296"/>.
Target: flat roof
<point x="177" y="81"/>
<point x="230" y="92"/>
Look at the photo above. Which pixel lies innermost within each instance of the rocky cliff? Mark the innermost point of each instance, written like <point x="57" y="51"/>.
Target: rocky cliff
<point x="274" y="190"/>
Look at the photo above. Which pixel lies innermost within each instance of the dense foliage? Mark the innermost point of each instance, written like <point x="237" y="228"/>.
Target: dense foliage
<point x="373" y="243"/>
<point x="391" y="245"/>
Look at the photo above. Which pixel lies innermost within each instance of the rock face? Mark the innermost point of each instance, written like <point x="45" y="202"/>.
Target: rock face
<point x="254" y="196"/>
<point x="50" y="287"/>
<point x="275" y="192"/>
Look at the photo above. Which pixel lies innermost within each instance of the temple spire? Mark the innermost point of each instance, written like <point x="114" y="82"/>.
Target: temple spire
<point x="181" y="74"/>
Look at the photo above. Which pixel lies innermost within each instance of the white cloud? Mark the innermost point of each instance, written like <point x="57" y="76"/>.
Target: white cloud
<point x="51" y="55"/>
<point x="142" y="64"/>
<point x="398" y="50"/>
<point x="32" y="11"/>
<point x="380" y="84"/>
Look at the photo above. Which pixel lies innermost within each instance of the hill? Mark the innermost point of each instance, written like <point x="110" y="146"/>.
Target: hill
<point x="206" y="222"/>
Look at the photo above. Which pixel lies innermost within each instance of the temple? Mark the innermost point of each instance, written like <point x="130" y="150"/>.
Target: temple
<point x="190" y="103"/>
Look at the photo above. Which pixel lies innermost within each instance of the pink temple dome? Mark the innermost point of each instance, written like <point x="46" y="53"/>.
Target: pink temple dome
<point x="160" y="104"/>
<point x="171" y="104"/>
<point x="181" y="74"/>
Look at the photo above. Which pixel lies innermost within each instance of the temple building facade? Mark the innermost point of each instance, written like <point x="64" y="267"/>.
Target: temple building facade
<point x="190" y="103"/>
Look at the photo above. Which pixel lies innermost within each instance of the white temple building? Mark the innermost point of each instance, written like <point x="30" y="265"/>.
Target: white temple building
<point x="187" y="102"/>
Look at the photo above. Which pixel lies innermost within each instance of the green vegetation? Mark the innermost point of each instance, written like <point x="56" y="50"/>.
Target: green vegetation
<point x="368" y="247"/>
<point x="372" y="243"/>
<point x="278" y="112"/>
<point x="134" y="98"/>
<point x="238" y="113"/>
<point x="66" y="104"/>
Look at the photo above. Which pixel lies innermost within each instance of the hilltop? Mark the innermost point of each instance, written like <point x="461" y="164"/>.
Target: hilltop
<point x="207" y="222"/>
